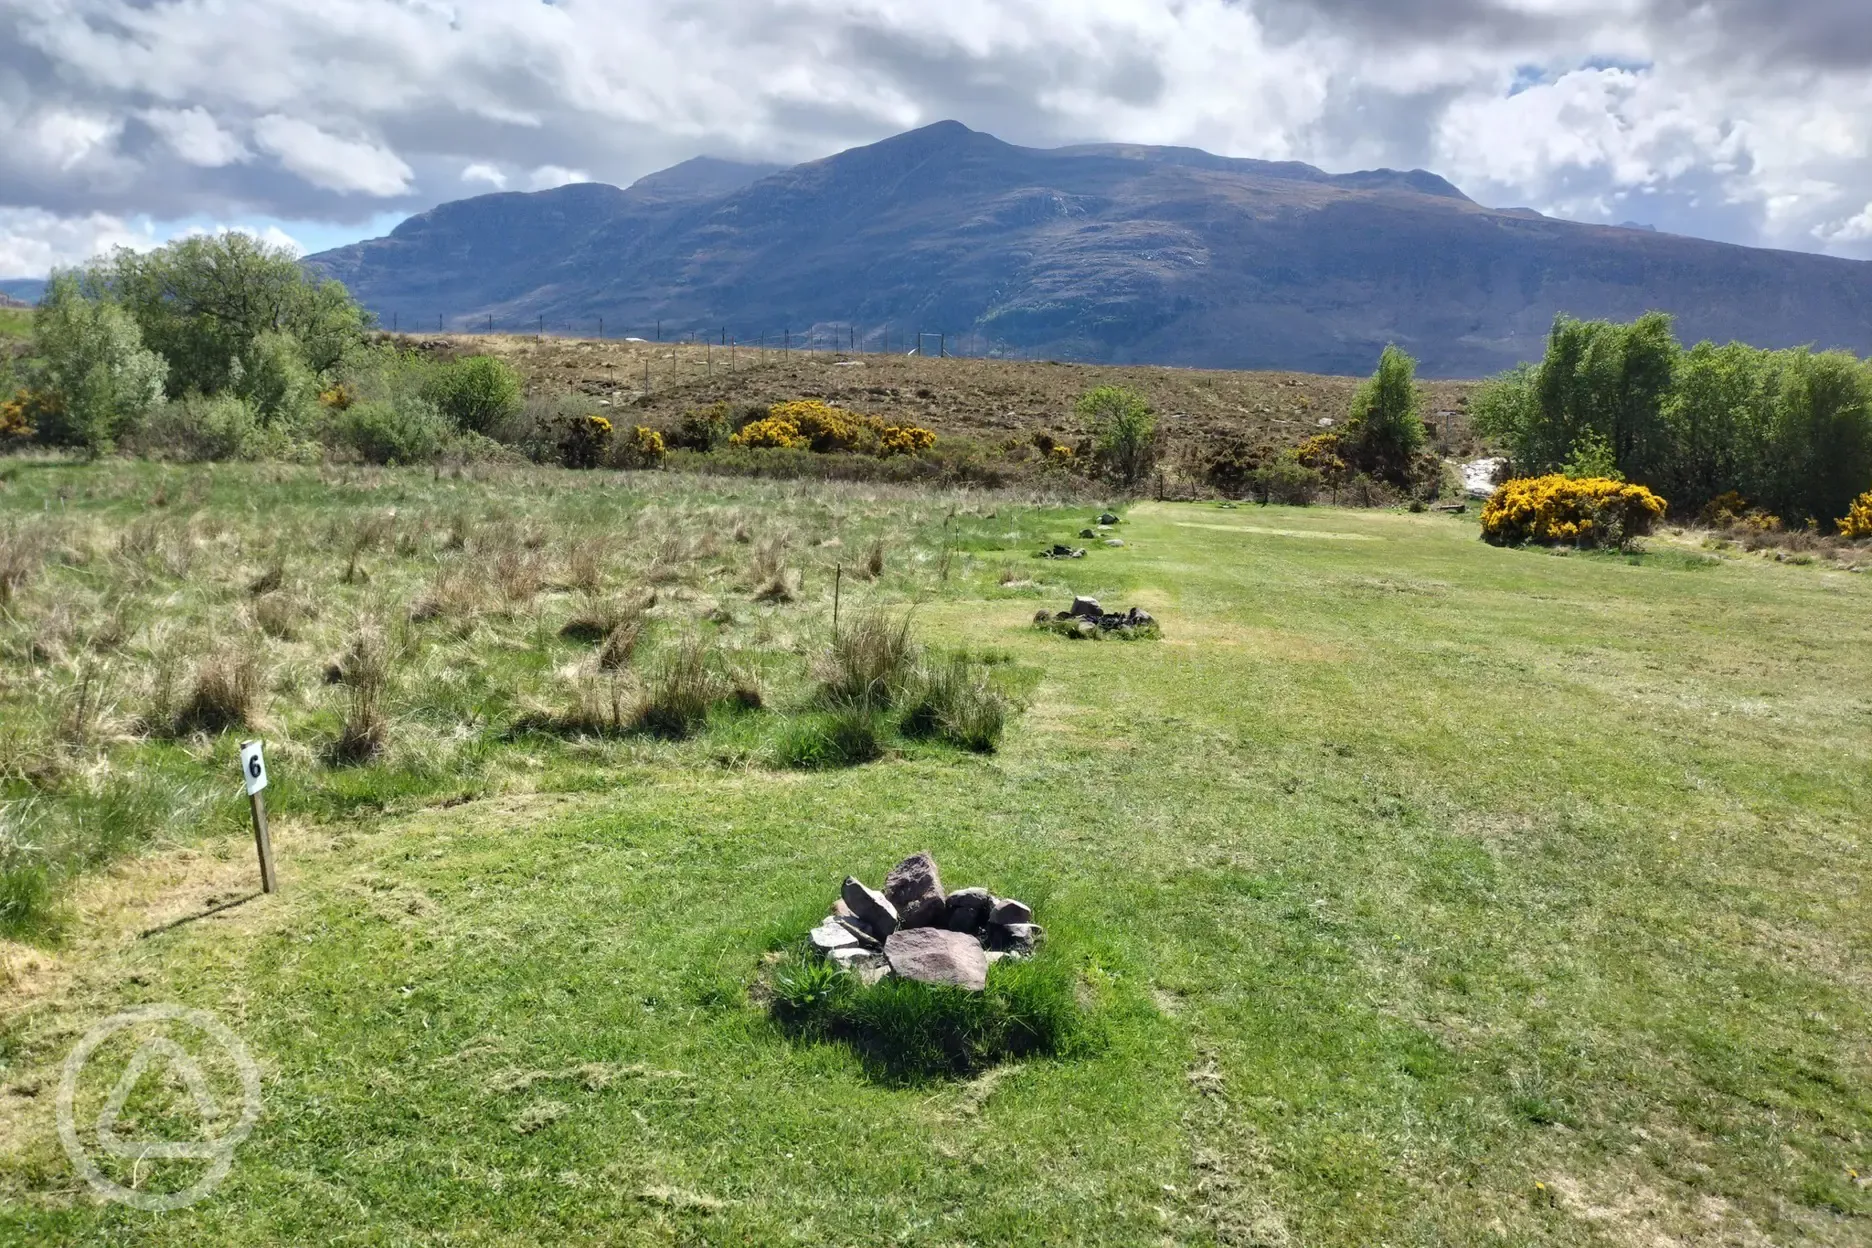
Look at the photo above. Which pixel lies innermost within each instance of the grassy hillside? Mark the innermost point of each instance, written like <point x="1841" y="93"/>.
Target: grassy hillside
<point x="988" y="400"/>
<point x="15" y="323"/>
<point x="1415" y="891"/>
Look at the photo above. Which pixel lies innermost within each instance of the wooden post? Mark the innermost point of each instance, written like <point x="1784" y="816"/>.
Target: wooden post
<point x="268" y="882"/>
<point x="253" y="775"/>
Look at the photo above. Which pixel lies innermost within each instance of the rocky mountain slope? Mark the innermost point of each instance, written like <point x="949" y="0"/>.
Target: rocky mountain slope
<point x="1113" y="253"/>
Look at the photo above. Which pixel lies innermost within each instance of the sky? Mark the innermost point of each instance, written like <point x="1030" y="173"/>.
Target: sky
<point x="319" y="122"/>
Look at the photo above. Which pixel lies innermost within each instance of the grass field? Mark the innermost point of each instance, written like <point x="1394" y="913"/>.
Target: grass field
<point x="1415" y="891"/>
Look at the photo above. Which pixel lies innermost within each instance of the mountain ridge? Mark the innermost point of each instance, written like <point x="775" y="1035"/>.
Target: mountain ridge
<point x="1121" y="253"/>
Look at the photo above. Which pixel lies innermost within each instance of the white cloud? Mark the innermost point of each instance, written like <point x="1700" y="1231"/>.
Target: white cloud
<point x="1852" y="230"/>
<point x="325" y="160"/>
<point x="479" y="172"/>
<point x="65" y="139"/>
<point x="195" y="136"/>
<point x="546" y="177"/>
<point x="1743" y="120"/>
<point x="34" y="242"/>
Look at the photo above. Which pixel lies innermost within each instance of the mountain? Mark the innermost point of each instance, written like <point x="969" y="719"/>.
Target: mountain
<point x="24" y="291"/>
<point x="1109" y="252"/>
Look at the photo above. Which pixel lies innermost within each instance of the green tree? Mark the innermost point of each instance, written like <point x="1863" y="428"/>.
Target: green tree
<point x="205" y="304"/>
<point x="1611" y="380"/>
<point x="1820" y="446"/>
<point x="94" y="367"/>
<point x="1124" y="430"/>
<point x="476" y="393"/>
<point x="1386" y="429"/>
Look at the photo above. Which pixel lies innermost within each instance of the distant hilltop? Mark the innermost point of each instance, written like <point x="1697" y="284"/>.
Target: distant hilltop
<point x="20" y="292"/>
<point x="1112" y="252"/>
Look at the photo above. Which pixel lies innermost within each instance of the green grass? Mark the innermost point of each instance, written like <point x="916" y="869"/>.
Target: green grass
<point x="1414" y="891"/>
<point x="15" y="323"/>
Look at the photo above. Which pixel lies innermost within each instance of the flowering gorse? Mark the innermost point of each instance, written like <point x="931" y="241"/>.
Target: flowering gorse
<point x="1579" y="511"/>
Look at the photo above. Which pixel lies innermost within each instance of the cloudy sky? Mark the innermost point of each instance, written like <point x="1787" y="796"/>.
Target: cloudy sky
<point x="323" y="121"/>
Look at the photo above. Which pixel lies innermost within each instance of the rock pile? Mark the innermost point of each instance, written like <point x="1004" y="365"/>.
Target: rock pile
<point x="1062" y="552"/>
<point x="915" y="930"/>
<point x="1088" y="612"/>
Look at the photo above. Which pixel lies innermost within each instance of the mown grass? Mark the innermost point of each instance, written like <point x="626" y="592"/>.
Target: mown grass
<point x="1418" y="892"/>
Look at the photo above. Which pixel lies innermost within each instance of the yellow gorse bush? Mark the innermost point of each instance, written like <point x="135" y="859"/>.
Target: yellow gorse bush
<point x="769" y="432"/>
<point x="813" y="424"/>
<point x="1581" y="511"/>
<point x="15" y="416"/>
<point x="1857" y="522"/>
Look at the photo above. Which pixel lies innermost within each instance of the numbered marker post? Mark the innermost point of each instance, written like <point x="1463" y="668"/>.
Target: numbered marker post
<point x="253" y="773"/>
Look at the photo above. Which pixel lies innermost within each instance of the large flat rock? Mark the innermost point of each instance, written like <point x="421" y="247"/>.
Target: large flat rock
<point x="936" y="956"/>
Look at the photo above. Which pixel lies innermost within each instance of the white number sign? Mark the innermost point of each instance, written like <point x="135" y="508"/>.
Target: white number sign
<point x="253" y="767"/>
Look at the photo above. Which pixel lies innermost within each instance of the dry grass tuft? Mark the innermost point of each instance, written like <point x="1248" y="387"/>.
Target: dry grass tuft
<point x="868" y="662"/>
<point x="22" y="552"/>
<point x="277" y="615"/>
<point x="226" y="694"/>
<point x="619" y="643"/>
<point x="584" y="565"/>
<point x="453" y="595"/>
<point x="364" y="671"/>
<point x="517" y="574"/>
<point x="872" y="566"/>
<point x="683" y="686"/>
<point x="271" y="578"/>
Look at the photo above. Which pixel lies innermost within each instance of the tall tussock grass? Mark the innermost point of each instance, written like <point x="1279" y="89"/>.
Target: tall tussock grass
<point x="225" y="695"/>
<point x="868" y="661"/>
<point x="683" y="686"/>
<point x="364" y="672"/>
<point x="956" y="701"/>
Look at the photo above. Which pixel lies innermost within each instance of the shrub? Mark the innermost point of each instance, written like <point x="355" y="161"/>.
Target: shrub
<point x="1124" y="430"/>
<point x="955" y="701"/>
<point x="406" y="429"/>
<point x="276" y="381"/>
<point x="1857" y="522"/>
<point x="1285" y="479"/>
<point x="584" y="441"/>
<point x="478" y="393"/>
<point x="1557" y="509"/>
<point x="198" y="429"/>
<point x="705" y="430"/>
<point x="95" y="367"/>
<point x="905" y="440"/>
<point x="769" y="432"/>
<point x="16" y="416"/>
<point x="828" y="429"/>
<point x="643" y="448"/>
